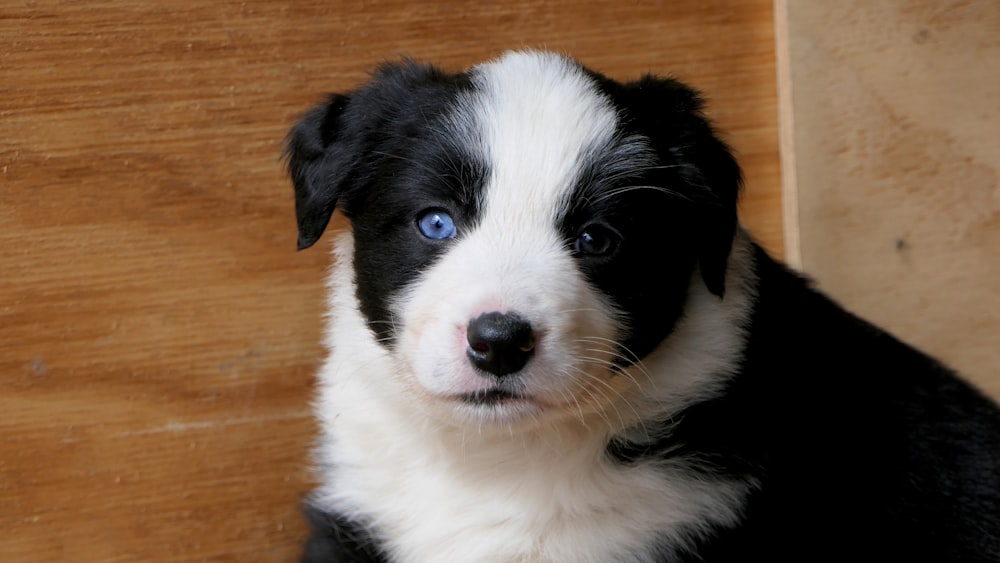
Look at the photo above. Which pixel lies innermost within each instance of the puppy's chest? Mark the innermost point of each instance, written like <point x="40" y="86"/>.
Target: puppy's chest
<point x="534" y="509"/>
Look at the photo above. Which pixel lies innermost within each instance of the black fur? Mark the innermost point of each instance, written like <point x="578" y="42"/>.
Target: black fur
<point x="864" y="448"/>
<point x="689" y="222"/>
<point x="335" y="539"/>
<point x="383" y="154"/>
<point x="861" y="447"/>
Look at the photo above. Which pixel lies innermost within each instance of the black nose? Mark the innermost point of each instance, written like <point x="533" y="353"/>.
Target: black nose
<point x="500" y="343"/>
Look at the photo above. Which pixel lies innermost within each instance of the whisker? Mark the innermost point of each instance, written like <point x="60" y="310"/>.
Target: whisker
<point x="638" y="417"/>
<point x="600" y="412"/>
<point x="609" y="364"/>
<point x="634" y="172"/>
<point x="453" y="169"/>
<point x="417" y="163"/>
<point x="579" y="408"/>
<point x="625" y="189"/>
<point x="618" y="350"/>
<point x="591" y="378"/>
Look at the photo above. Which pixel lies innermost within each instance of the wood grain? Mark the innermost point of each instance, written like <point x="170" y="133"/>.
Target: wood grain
<point x="158" y="330"/>
<point x="896" y="141"/>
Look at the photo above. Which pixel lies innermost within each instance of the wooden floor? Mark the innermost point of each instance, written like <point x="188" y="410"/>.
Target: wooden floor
<point x="158" y="331"/>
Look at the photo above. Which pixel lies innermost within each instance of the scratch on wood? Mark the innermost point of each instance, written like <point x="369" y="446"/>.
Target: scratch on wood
<point x="177" y="427"/>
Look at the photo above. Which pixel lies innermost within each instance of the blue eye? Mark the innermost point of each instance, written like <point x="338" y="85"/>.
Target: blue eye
<point x="596" y="240"/>
<point x="436" y="224"/>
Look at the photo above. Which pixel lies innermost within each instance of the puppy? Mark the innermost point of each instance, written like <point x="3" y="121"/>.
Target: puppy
<point x="551" y="341"/>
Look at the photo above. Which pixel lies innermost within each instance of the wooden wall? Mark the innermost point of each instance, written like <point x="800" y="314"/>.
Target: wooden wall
<point x="892" y="153"/>
<point x="158" y="332"/>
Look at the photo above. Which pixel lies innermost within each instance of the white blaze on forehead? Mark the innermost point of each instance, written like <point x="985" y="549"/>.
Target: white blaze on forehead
<point x="538" y="116"/>
<point x="535" y="120"/>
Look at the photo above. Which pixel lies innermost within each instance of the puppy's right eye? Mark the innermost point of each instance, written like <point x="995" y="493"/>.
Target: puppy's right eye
<point x="436" y="224"/>
<point x="597" y="240"/>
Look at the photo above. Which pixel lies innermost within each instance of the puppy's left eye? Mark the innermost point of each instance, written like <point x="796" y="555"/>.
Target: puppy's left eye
<point x="597" y="240"/>
<point x="436" y="224"/>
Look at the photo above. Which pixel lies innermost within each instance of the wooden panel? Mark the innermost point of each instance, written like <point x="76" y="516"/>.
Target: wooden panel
<point x="896" y="137"/>
<point x="158" y="330"/>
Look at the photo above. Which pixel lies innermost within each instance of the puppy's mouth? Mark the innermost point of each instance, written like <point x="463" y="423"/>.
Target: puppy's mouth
<point x="491" y="397"/>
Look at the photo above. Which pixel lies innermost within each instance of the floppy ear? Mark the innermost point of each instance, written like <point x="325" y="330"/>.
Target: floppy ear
<point x="318" y="173"/>
<point x="334" y="151"/>
<point x="717" y="170"/>
<point x="671" y="115"/>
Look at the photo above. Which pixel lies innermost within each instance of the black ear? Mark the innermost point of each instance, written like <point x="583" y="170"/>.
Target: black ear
<point x="318" y="173"/>
<point x="335" y="150"/>
<point x="670" y="114"/>
<point x="717" y="172"/>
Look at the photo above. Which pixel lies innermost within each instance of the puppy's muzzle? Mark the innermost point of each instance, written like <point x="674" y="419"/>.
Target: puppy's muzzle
<point x="500" y="343"/>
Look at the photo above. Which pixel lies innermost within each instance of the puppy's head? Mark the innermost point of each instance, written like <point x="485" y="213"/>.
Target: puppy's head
<point x="525" y="232"/>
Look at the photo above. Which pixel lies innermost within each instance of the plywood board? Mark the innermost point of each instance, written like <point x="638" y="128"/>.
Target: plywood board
<point x="892" y="118"/>
<point x="158" y="332"/>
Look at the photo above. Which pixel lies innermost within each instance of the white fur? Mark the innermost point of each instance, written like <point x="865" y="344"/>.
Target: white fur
<point x="528" y="481"/>
<point x="537" y="119"/>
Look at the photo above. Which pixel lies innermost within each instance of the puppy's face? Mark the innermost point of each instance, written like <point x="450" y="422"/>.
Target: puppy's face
<point x="525" y="233"/>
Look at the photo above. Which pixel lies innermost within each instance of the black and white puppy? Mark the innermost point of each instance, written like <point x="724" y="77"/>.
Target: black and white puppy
<point x="551" y="341"/>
